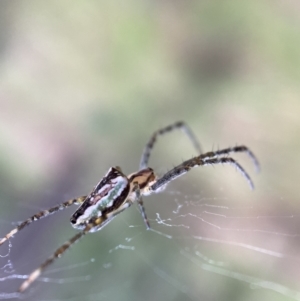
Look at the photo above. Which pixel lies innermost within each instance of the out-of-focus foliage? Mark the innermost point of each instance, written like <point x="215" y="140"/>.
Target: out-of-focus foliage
<point x="83" y="84"/>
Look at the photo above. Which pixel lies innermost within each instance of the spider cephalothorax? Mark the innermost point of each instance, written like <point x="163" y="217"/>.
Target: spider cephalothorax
<point x="116" y="192"/>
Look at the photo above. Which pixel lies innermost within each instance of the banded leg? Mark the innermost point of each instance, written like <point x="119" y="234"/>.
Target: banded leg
<point x="95" y="222"/>
<point x="40" y="215"/>
<point x="229" y="150"/>
<point x="141" y="204"/>
<point x="195" y="162"/>
<point x="178" y="125"/>
<point x="58" y="253"/>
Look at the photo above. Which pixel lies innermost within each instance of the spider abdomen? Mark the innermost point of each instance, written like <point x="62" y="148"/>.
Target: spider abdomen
<point x="110" y="193"/>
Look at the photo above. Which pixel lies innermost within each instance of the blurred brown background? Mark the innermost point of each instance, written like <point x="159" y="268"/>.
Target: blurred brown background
<point x="83" y="86"/>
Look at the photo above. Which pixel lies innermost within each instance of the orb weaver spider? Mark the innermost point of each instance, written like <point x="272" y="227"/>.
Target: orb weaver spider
<point x="117" y="192"/>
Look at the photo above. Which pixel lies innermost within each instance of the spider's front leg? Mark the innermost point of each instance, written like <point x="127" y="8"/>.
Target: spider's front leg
<point x="177" y="125"/>
<point x="41" y="215"/>
<point x="136" y="189"/>
<point x="201" y="160"/>
<point x="229" y="150"/>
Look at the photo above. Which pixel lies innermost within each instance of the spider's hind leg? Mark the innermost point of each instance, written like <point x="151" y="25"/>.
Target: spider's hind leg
<point x="58" y="253"/>
<point x="40" y="215"/>
<point x="178" y="125"/>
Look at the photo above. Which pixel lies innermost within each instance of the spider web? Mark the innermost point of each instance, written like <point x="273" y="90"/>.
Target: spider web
<point x="200" y="247"/>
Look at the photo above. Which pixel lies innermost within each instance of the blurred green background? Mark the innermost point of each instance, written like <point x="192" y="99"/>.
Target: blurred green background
<point x="83" y="86"/>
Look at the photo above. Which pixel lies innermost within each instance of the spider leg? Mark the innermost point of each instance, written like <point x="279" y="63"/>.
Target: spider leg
<point x="58" y="253"/>
<point x="141" y="204"/>
<point x="195" y="162"/>
<point x="178" y="125"/>
<point x="229" y="150"/>
<point x="40" y="215"/>
<point x="93" y="223"/>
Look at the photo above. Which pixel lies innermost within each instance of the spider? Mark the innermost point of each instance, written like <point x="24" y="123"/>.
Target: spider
<point x="116" y="192"/>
